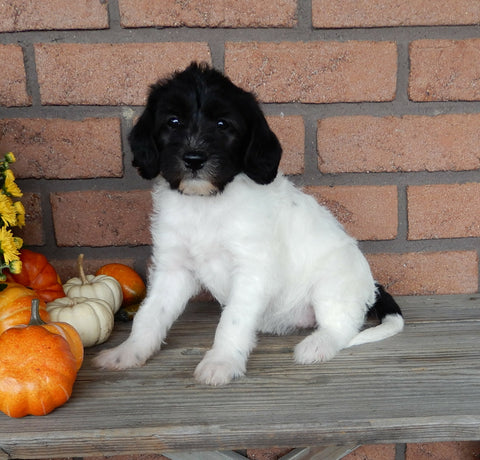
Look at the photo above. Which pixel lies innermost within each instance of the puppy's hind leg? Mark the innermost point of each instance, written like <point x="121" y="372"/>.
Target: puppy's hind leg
<point x="167" y="297"/>
<point x="336" y="329"/>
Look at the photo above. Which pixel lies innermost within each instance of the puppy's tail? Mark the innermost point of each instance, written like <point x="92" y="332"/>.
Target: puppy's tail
<point x="390" y="316"/>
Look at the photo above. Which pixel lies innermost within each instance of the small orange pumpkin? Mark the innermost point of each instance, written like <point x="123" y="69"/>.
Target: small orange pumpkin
<point x="16" y="305"/>
<point x="133" y="287"/>
<point x="37" y="273"/>
<point x="38" y="367"/>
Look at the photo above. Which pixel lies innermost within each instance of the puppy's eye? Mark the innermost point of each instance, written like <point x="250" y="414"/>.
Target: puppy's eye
<point x="222" y="124"/>
<point x="174" y="122"/>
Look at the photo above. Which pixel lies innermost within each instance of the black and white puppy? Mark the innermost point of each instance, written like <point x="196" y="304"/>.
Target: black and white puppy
<point x="225" y="220"/>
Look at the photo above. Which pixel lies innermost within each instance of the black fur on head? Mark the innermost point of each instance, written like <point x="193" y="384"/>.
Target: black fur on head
<point x="199" y="130"/>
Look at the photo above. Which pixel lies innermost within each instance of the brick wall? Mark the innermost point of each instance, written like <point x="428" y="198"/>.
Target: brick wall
<point x="377" y="105"/>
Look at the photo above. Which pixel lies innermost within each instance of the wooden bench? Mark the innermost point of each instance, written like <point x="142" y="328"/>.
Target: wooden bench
<point x="422" y="385"/>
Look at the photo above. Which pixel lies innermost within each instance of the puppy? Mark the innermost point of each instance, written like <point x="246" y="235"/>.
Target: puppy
<point x="224" y="219"/>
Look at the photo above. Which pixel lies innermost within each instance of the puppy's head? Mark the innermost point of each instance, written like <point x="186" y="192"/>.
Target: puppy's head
<point x="199" y="130"/>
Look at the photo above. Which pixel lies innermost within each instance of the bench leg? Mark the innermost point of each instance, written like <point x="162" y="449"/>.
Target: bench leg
<point x="320" y="453"/>
<point x="213" y="455"/>
<point x="307" y="453"/>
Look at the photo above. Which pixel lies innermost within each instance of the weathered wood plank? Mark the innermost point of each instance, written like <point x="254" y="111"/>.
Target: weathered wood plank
<point x="421" y="385"/>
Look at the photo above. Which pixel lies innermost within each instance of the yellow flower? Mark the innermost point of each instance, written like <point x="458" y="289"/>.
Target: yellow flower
<point x="11" y="214"/>
<point x="18" y="242"/>
<point x="20" y="213"/>
<point x="15" y="267"/>
<point x="8" y="246"/>
<point x="8" y="213"/>
<point x="10" y="187"/>
<point x="10" y="157"/>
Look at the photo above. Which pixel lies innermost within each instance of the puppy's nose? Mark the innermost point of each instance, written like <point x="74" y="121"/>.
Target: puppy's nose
<point x="194" y="160"/>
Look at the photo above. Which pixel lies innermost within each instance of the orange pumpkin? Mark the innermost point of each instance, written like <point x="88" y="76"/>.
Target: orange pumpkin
<point x="65" y="330"/>
<point x="38" y="367"/>
<point x="16" y="305"/>
<point x="37" y="273"/>
<point x="133" y="287"/>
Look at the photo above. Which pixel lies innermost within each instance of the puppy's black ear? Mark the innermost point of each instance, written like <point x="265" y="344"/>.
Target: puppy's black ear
<point x="146" y="157"/>
<point x="264" y="150"/>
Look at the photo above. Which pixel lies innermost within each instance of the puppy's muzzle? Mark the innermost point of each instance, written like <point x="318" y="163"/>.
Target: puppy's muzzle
<point x="197" y="181"/>
<point x="194" y="160"/>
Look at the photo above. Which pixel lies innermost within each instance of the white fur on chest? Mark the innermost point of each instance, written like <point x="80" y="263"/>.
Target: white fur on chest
<point x="214" y="236"/>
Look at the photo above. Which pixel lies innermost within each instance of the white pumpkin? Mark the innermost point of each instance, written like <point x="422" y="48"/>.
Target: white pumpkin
<point x="92" y="318"/>
<point x="101" y="287"/>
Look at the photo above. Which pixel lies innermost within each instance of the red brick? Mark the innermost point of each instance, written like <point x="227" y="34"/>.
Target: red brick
<point x="32" y="233"/>
<point x="366" y="212"/>
<point x="427" y="273"/>
<point x="373" y="452"/>
<point x="205" y="13"/>
<point x="390" y="144"/>
<point x="291" y="133"/>
<point x="101" y="218"/>
<point x="368" y="13"/>
<point x="314" y="72"/>
<point x="466" y="450"/>
<point x="64" y="149"/>
<point x="443" y="211"/>
<point x="17" y="15"/>
<point x="109" y="74"/>
<point x="13" y="84"/>
<point x="445" y="70"/>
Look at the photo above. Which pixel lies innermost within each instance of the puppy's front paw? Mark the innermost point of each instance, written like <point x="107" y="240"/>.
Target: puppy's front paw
<point x="315" y="348"/>
<point x="122" y="357"/>
<point x="215" y="369"/>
